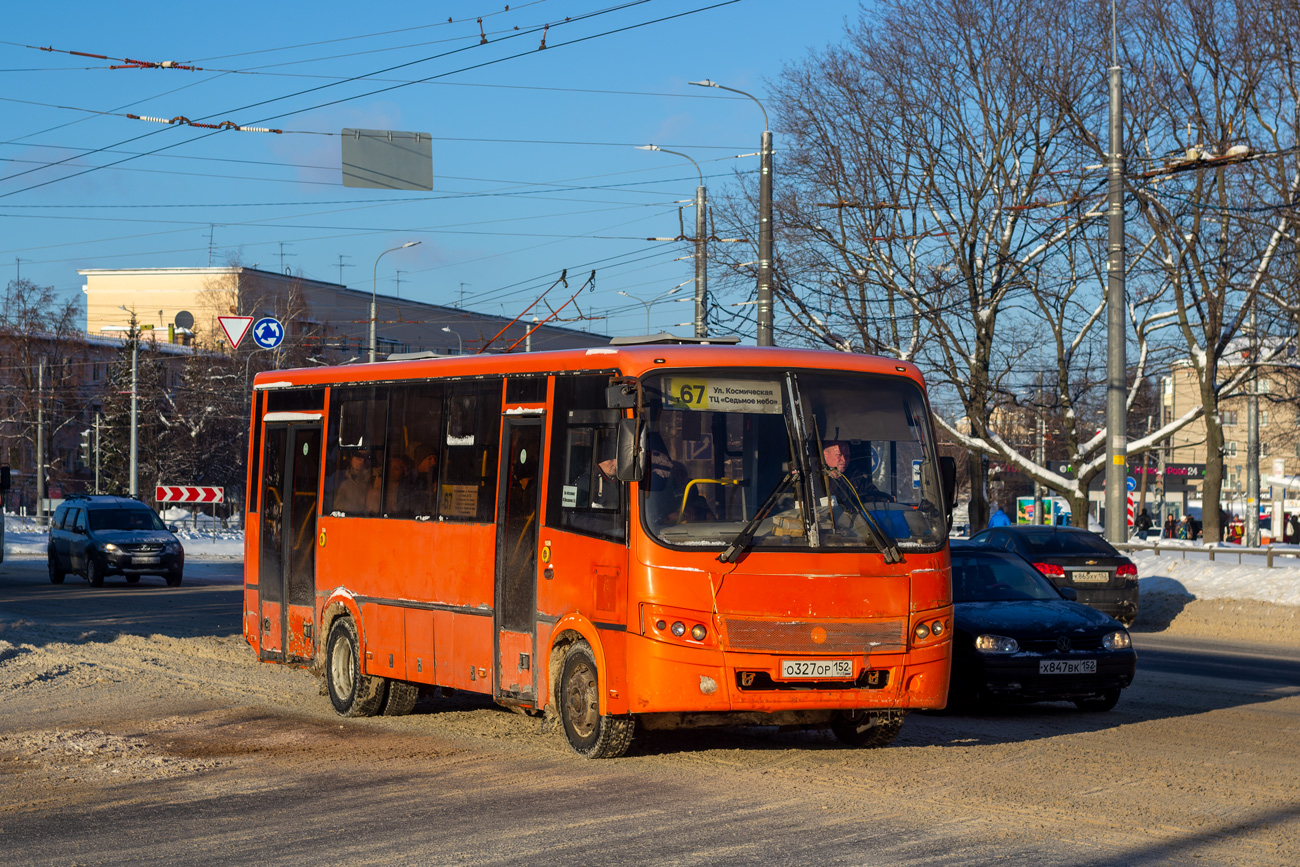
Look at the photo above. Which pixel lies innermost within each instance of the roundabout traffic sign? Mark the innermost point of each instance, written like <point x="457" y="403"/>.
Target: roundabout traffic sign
<point x="268" y="333"/>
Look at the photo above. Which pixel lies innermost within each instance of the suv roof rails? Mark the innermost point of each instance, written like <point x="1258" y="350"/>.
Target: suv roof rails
<point x="79" y="495"/>
<point x="663" y="337"/>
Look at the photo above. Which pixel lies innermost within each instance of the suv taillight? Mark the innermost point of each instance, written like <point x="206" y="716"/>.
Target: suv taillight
<point x="1126" y="570"/>
<point x="1051" y="570"/>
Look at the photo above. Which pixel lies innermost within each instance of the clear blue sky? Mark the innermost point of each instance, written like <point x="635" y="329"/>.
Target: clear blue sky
<point x="534" y="163"/>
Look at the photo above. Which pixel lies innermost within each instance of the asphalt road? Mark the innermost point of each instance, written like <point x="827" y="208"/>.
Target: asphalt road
<point x="1197" y="763"/>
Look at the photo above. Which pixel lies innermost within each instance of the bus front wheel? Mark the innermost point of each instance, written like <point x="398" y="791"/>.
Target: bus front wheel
<point x="351" y="692"/>
<point x="590" y="734"/>
<point x="862" y="729"/>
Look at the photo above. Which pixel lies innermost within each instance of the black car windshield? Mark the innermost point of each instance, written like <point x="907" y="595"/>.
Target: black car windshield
<point x="992" y="578"/>
<point x="1051" y="542"/>
<point x="125" y="519"/>
<point x="720" y="442"/>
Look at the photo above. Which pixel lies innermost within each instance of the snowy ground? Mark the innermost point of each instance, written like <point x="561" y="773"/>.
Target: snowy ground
<point x="1179" y="571"/>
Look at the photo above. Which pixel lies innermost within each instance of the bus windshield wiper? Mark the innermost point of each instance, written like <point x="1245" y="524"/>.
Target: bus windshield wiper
<point x="887" y="544"/>
<point x="746" y="535"/>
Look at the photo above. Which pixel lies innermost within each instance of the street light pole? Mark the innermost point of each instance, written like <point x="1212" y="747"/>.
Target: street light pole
<point x="647" y="304"/>
<point x="764" y="320"/>
<point x="134" y="481"/>
<point x="1116" y="379"/>
<point x="374" y="282"/>
<point x="701" y="246"/>
<point x="460" y="346"/>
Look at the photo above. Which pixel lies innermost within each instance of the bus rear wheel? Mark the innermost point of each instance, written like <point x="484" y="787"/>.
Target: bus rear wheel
<point x="862" y="729"/>
<point x="401" y="698"/>
<point x="351" y="692"/>
<point x="590" y="734"/>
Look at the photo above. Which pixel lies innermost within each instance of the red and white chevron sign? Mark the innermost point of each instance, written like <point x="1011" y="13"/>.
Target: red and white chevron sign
<point x="189" y="494"/>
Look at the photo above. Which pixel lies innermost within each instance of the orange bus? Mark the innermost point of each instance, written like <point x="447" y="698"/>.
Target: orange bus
<point x="652" y="535"/>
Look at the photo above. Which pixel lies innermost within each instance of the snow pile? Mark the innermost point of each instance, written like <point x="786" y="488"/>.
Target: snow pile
<point x="1197" y="578"/>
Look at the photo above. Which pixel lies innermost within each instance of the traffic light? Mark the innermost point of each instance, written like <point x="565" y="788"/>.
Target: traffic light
<point x="84" y="452"/>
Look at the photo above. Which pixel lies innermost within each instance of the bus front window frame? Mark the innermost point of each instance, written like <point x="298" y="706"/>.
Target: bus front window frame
<point x="703" y="491"/>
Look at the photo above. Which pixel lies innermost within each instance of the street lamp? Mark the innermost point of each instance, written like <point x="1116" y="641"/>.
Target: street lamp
<point x="701" y="245"/>
<point x="460" y="346"/>
<point x="764" y="221"/>
<point x="647" y="304"/>
<point x="373" y="285"/>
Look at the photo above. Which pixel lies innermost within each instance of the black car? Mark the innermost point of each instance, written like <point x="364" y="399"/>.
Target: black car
<point x="1019" y="638"/>
<point x="98" y="535"/>
<point x="1072" y="557"/>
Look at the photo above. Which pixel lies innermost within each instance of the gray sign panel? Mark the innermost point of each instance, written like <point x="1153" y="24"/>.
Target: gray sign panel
<point x="387" y="160"/>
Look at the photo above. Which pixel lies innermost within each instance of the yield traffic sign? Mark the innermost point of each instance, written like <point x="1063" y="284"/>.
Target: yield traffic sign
<point x="235" y="328"/>
<point x="189" y="494"/>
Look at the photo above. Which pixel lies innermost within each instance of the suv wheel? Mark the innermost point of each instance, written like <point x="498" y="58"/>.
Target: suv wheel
<point x="56" y="574"/>
<point x="94" y="570"/>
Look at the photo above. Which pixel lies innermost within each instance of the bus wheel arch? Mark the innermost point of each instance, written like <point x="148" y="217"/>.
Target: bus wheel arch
<point x="352" y="692"/>
<point x="590" y="731"/>
<point x="567" y="632"/>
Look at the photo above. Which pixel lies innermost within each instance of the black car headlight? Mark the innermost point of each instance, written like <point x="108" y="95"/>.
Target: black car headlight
<point x="172" y="547"/>
<point x="996" y="644"/>
<point x="1118" y="640"/>
<point x="111" y="548"/>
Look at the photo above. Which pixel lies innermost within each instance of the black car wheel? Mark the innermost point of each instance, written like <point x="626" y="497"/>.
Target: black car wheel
<point x="173" y="578"/>
<point x="1101" y="704"/>
<point x="94" y="570"/>
<point x="132" y="579"/>
<point x="56" y="574"/>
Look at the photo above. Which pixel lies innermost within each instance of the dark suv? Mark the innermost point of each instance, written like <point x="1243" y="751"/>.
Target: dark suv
<point x="102" y="534"/>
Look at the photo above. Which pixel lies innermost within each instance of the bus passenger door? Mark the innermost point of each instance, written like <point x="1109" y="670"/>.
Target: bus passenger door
<point x="518" y="507"/>
<point x="287" y="568"/>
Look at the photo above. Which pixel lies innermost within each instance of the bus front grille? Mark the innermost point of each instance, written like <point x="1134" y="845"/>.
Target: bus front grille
<point x="816" y="636"/>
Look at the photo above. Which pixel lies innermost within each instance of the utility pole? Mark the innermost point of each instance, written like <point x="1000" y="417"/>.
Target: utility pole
<point x="1116" y="363"/>
<point x="461" y="305"/>
<point x="1252" y="439"/>
<point x="135" y="406"/>
<point x="341" y="267"/>
<point x="765" y="239"/>
<point x="701" y="262"/>
<point x="97" y="453"/>
<point x="1038" y="454"/>
<point x="40" y="441"/>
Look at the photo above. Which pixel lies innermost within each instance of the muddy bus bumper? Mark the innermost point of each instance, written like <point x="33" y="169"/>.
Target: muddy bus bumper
<point x="670" y="678"/>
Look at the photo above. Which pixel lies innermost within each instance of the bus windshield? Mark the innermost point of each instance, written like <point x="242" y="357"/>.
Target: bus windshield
<point x="789" y="459"/>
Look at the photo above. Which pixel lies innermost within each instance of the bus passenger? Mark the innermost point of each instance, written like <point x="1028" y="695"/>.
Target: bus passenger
<point x="358" y="494"/>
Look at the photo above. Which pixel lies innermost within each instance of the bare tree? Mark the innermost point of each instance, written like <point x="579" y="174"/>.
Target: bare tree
<point x="42" y="374"/>
<point x="942" y="199"/>
<point x="1215" y="116"/>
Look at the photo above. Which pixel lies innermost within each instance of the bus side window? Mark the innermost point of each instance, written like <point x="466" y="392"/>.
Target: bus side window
<point x="355" y="451"/>
<point x="584" y="495"/>
<point x="413" y="452"/>
<point x="470" y="447"/>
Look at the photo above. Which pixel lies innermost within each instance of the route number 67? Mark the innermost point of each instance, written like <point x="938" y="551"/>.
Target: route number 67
<point x="692" y="394"/>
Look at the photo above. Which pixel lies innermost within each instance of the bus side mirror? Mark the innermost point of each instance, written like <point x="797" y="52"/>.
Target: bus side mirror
<point x="629" y="450"/>
<point x="621" y="395"/>
<point x="948" y="474"/>
<point x="4" y="478"/>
